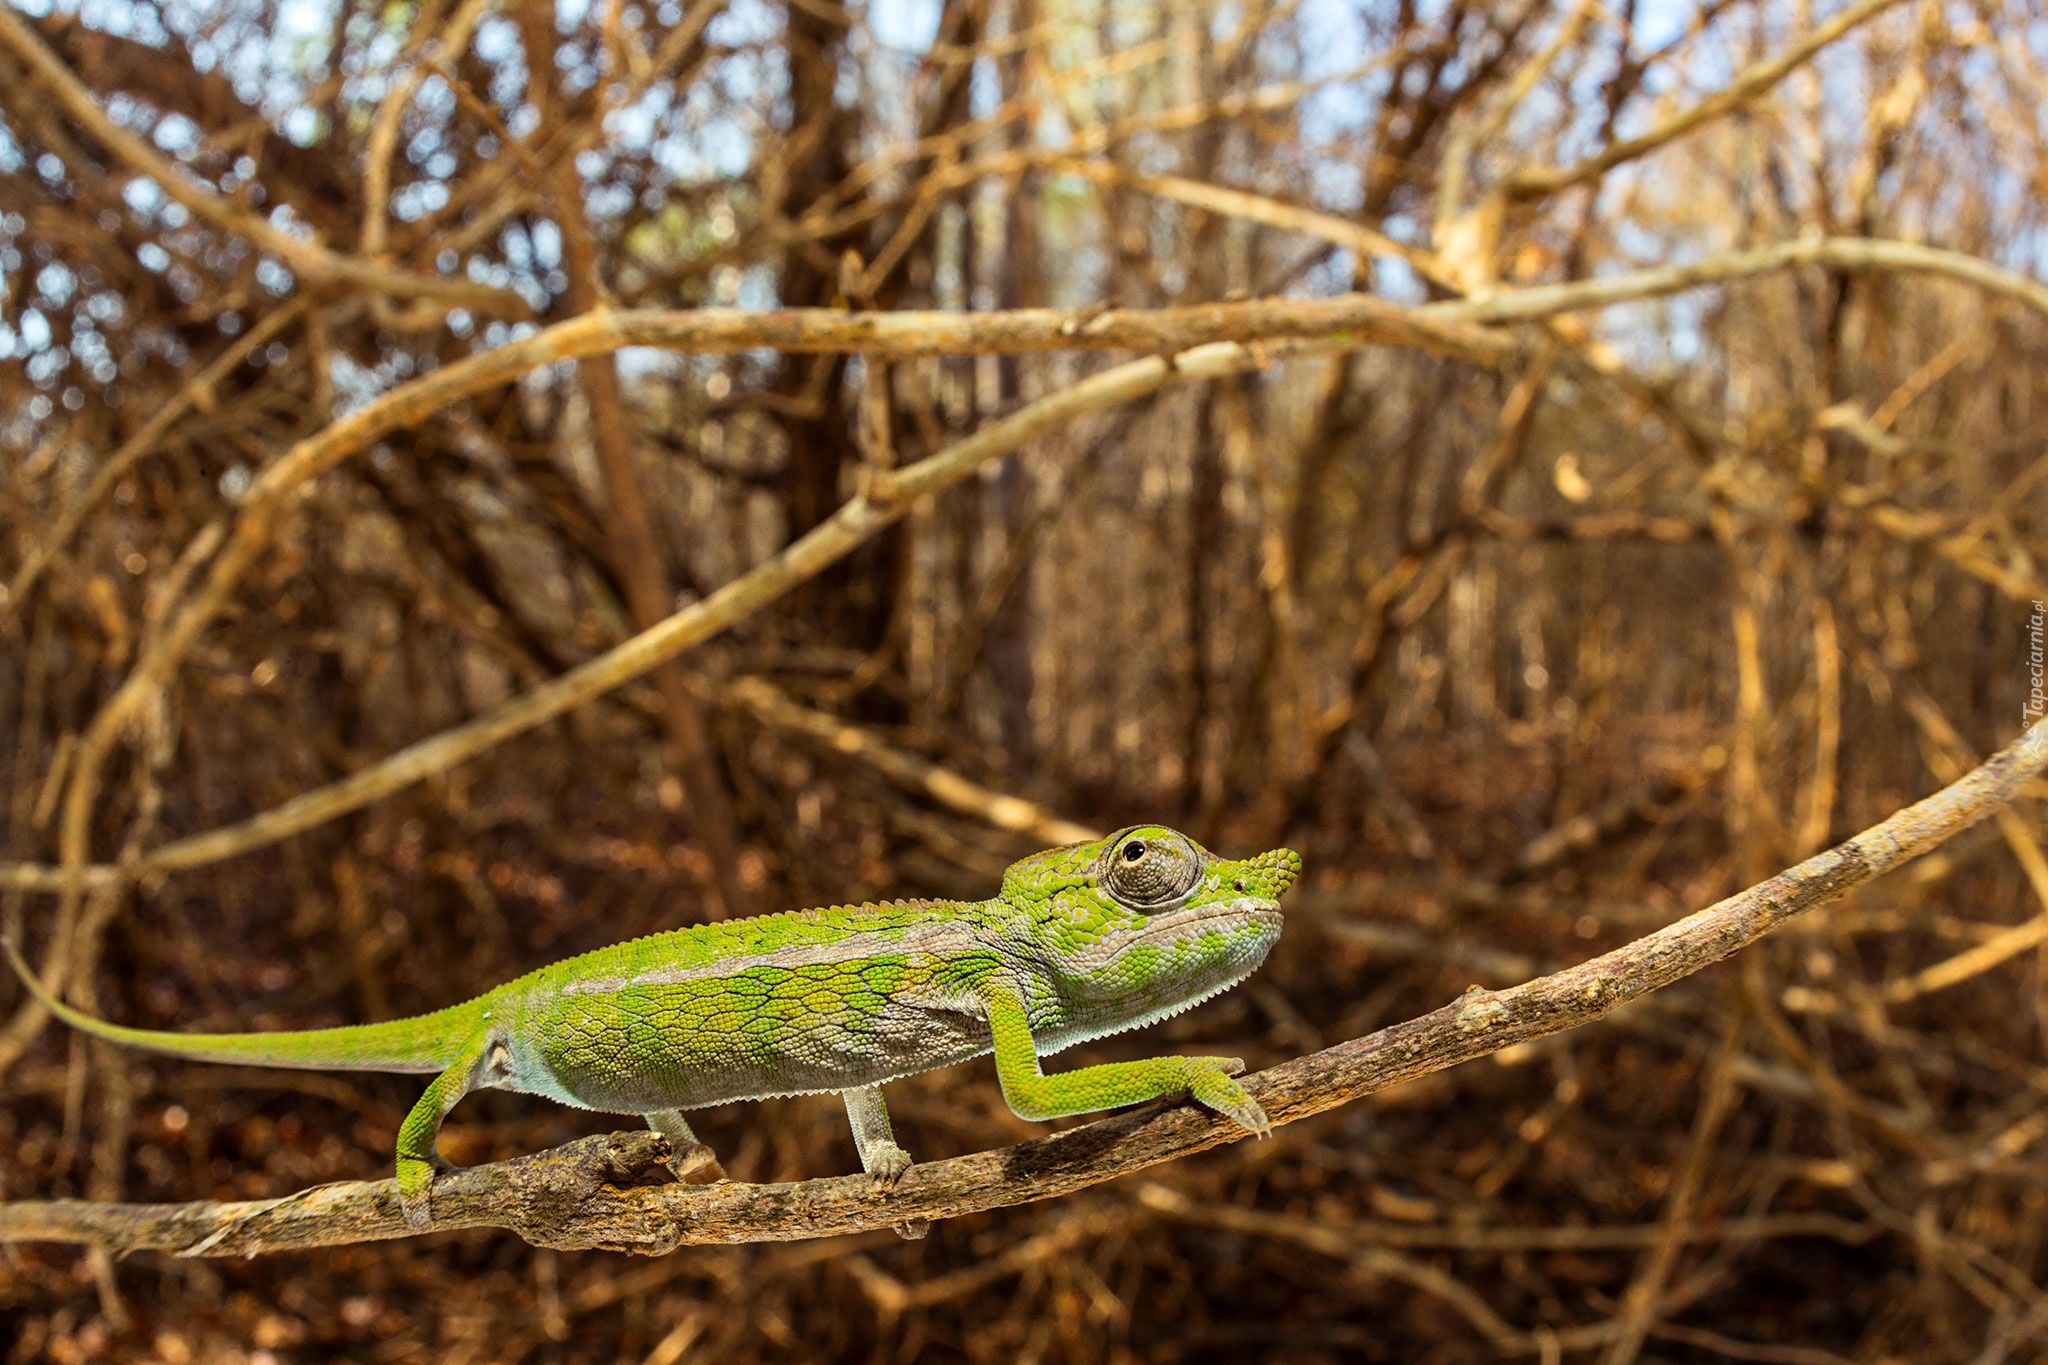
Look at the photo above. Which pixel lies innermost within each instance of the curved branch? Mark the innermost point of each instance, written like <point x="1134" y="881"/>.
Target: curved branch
<point x="584" y="1195"/>
<point x="1463" y="328"/>
<point x="1545" y="180"/>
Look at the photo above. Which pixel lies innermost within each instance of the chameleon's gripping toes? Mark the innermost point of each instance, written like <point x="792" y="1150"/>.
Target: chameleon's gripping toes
<point x="1082" y="941"/>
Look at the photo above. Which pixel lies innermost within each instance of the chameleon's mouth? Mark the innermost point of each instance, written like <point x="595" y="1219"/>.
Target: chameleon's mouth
<point x="1239" y="910"/>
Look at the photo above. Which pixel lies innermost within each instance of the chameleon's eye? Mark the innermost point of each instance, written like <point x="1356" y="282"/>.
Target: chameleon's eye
<point x="1150" y="871"/>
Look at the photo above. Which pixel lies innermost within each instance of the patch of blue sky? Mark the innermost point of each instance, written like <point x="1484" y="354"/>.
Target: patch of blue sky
<point x="1403" y="227"/>
<point x="726" y="146"/>
<point x="1653" y="333"/>
<point x="632" y="127"/>
<point x="304" y="126"/>
<point x="177" y="135"/>
<point x="757" y="290"/>
<point x="1639" y="244"/>
<point x="1333" y="37"/>
<point x="33" y="329"/>
<point x="1338" y="110"/>
<point x="1658" y="22"/>
<point x="355" y="384"/>
<point x="303" y="29"/>
<point x="414" y="201"/>
<point x="139" y="23"/>
<point x="496" y="40"/>
<point x="910" y="26"/>
<point x="1656" y="331"/>
<point x="2030" y="251"/>
<point x="1846" y="95"/>
<point x="609" y="201"/>
<point x="578" y="66"/>
<point x="984" y="88"/>
<point x="1332" y="274"/>
<point x="645" y="362"/>
<point x="55" y="283"/>
<point x="1336" y="185"/>
<point x="1393" y="279"/>
<point x="744" y="22"/>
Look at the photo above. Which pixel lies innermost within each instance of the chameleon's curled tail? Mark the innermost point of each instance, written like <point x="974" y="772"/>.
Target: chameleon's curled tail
<point x="422" y="1043"/>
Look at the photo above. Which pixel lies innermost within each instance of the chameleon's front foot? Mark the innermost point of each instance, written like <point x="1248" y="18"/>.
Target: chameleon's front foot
<point x="1209" y="1081"/>
<point x="1034" y="1095"/>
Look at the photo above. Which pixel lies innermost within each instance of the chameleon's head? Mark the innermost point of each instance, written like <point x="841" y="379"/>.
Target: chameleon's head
<point x="1147" y="922"/>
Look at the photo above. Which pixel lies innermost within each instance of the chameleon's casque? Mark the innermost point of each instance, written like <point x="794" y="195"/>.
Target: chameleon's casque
<point x="1081" y="941"/>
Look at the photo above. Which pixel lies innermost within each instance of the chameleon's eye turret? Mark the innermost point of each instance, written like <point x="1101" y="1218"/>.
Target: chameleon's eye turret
<point x="1151" y="868"/>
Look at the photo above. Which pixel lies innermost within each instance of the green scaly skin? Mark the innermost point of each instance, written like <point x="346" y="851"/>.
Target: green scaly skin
<point x="1082" y="941"/>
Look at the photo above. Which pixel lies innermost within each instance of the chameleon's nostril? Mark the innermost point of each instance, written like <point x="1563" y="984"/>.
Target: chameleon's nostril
<point x="1239" y="884"/>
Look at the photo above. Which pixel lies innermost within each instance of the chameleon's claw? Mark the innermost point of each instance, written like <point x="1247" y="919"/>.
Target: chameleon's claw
<point x="887" y="1166"/>
<point x="1212" y="1086"/>
<point x="890" y="1164"/>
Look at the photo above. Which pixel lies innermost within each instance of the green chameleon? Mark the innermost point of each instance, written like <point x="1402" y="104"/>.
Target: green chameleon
<point x="1082" y="941"/>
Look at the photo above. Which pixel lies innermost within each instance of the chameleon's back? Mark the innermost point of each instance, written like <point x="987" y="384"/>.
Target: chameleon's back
<point x="779" y="1004"/>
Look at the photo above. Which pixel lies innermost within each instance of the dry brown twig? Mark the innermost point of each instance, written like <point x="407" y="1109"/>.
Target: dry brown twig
<point x="582" y="1195"/>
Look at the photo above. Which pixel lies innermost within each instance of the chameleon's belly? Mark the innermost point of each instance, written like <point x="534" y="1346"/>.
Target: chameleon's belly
<point x="759" y="1032"/>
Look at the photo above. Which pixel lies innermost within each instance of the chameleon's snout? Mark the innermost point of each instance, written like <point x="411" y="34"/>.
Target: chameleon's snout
<point x="1268" y="875"/>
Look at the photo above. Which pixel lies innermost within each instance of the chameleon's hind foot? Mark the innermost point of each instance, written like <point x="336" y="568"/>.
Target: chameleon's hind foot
<point x="690" y="1160"/>
<point x="694" y="1163"/>
<point x="886" y="1168"/>
<point x="886" y="1165"/>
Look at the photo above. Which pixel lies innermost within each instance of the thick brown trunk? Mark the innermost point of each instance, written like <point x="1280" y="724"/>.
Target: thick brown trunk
<point x="636" y="556"/>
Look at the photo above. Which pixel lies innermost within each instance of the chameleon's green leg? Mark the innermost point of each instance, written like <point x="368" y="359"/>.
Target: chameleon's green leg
<point x="693" y="1163"/>
<point x="880" y="1157"/>
<point x="1034" y="1095"/>
<point x="417" y="1157"/>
